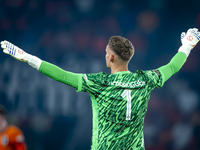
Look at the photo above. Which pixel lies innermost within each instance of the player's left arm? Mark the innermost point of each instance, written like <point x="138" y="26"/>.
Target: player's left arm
<point x="50" y="70"/>
<point x="189" y="41"/>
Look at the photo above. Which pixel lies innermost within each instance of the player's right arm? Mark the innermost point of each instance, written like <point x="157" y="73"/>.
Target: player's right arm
<point x="44" y="67"/>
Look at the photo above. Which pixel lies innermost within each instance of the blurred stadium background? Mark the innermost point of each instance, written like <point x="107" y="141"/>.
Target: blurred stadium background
<point x="73" y="35"/>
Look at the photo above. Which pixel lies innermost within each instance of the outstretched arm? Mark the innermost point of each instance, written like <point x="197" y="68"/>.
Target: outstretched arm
<point x="46" y="68"/>
<point x="59" y="74"/>
<point x="173" y="66"/>
<point x="189" y="41"/>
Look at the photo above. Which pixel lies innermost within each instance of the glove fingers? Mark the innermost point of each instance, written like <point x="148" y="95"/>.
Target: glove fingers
<point x="3" y="44"/>
<point x="6" y="51"/>
<point x="195" y="29"/>
<point x="195" y="33"/>
<point x="6" y="44"/>
<point x="189" y="30"/>
<point x="182" y="35"/>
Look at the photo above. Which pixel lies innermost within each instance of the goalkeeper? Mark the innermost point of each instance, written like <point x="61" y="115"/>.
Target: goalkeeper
<point x="119" y="100"/>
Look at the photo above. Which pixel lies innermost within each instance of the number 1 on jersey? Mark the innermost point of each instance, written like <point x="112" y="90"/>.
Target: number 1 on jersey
<point x="127" y="94"/>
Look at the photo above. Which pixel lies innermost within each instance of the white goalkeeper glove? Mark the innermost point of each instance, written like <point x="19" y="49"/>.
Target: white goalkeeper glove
<point x="20" y="55"/>
<point x="189" y="40"/>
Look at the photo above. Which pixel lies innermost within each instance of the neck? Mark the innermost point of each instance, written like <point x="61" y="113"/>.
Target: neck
<point x="119" y="68"/>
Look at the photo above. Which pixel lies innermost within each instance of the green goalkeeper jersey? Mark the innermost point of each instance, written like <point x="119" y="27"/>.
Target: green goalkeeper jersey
<point x="119" y="103"/>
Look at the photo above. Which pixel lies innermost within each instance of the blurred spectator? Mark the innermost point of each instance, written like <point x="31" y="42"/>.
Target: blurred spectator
<point x="148" y="21"/>
<point x="11" y="137"/>
<point x="182" y="134"/>
<point x="73" y="34"/>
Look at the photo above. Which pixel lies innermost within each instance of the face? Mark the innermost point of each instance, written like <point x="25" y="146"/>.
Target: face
<point x="109" y="57"/>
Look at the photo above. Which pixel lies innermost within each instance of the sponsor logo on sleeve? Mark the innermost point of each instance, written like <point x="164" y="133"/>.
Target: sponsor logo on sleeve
<point x="157" y="72"/>
<point x="85" y="77"/>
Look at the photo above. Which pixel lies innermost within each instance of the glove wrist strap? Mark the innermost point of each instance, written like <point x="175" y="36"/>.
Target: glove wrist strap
<point x="33" y="61"/>
<point x="185" y="48"/>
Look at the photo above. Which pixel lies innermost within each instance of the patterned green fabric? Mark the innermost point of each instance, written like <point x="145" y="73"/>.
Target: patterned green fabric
<point x="119" y="103"/>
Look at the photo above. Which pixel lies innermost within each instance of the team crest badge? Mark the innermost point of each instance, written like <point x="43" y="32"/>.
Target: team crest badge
<point x="4" y="140"/>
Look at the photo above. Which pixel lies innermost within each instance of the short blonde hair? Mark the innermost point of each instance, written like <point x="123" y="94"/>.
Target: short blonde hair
<point x="122" y="47"/>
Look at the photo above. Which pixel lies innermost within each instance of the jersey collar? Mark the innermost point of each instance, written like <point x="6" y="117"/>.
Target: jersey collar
<point x="122" y="72"/>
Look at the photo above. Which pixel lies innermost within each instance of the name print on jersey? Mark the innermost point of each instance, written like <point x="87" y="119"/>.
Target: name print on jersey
<point x="134" y="84"/>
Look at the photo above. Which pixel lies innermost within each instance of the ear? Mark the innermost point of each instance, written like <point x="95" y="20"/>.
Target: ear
<point x="112" y="57"/>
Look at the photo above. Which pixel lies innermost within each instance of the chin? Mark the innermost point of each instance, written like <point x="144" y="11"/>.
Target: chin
<point x="108" y="67"/>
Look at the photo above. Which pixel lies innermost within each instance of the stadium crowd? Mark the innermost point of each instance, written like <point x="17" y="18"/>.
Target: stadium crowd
<point x="73" y="34"/>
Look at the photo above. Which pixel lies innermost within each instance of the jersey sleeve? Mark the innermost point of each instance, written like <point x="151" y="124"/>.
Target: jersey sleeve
<point x="173" y="66"/>
<point x="153" y="78"/>
<point x="59" y="74"/>
<point x="156" y="78"/>
<point x="91" y="83"/>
